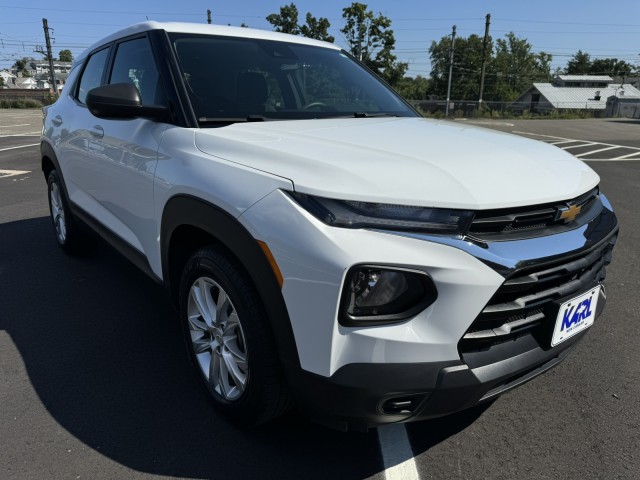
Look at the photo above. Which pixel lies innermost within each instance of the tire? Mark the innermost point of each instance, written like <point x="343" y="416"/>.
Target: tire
<point x="229" y="339"/>
<point x="65" y="228"/>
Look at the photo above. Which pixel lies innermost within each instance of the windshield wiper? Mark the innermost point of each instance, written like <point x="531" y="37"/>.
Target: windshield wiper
<point x="373" y="114"/>
<point x="227" y="120"/>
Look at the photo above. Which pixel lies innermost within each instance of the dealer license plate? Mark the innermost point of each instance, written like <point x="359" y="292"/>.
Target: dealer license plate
<point x="575" y="316"/>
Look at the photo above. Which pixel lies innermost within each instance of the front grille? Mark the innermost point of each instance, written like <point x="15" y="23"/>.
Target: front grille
<point x="504" y="224"/>
<point x="527" y="302"/>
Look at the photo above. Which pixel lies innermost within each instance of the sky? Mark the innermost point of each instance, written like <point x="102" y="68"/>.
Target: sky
<point x="560" y="27"/>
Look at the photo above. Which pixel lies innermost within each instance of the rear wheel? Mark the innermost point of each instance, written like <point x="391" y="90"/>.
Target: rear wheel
<point x="229" y="339"/>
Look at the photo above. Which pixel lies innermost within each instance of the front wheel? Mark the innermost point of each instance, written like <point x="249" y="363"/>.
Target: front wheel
<point x="229" y="339"/>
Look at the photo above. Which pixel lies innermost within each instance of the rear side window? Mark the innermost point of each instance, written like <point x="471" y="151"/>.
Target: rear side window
<point x="92" y="75"/>
<point x="134" y="64"/>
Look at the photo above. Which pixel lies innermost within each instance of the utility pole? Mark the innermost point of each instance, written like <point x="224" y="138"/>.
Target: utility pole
<point x="453" y="43"/>
<point x="484" y="58"/>
<point x="209" y="16"/>
<point x="45" y="26"/>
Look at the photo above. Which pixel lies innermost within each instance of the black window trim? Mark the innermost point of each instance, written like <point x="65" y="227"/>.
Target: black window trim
<point x="165" y="64"/>
<point x="76" y="85"/>
<point x="175" y="90"/>
<point x="114" y="51"/>
<point x="112" y="57"/>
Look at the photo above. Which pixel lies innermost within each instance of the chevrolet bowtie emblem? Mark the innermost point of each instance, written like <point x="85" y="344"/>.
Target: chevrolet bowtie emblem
<point x="569" y="214"/>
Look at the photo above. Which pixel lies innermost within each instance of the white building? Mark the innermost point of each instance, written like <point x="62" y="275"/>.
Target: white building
<point x="574" y="92"/>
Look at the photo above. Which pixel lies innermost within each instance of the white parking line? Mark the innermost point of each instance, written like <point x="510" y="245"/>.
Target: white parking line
<point x="19" y="146"/>
<point x="596" y="151"/>
<point x="487" y="122"/>
<point x="28" y="134"/>
<point x="11" y="173"/>
<point x="397" y="454"/>
<point x="540" y="135"/>
<point x="628" y="157"/>
<point x="578" y="146"/>
<point x="610" y="146"/>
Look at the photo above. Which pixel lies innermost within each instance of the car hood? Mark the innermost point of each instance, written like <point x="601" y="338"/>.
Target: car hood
<point x="410" y="161"/>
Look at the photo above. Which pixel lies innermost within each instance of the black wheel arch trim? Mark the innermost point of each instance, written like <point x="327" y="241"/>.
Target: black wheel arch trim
<point x="46" y="151"/>
<point x="186" y="210"/>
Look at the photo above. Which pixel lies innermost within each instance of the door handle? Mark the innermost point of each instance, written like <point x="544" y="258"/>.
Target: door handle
<point x="57" y="120"/>
<point x="97" y="131"/>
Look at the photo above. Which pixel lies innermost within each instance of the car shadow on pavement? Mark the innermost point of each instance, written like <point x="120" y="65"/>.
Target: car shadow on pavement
<point x="105" y="356"/>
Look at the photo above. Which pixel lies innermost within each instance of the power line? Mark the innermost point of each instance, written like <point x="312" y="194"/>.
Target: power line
<point x="570" y="23"/>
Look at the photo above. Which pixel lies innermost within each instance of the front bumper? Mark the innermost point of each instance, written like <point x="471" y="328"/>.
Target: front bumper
<point x="362" y="396"/>
<point x="357" y="378"/>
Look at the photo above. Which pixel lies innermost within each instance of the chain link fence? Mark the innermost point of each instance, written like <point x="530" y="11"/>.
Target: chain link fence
<point x="469" y="108"/>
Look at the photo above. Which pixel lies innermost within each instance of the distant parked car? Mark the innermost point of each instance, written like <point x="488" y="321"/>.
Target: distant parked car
<point x="324" y="245"/>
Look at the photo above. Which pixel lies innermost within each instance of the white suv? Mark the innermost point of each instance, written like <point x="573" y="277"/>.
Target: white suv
<point x="323" y="243"/>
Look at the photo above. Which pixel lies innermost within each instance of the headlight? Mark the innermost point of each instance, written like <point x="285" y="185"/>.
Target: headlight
<point x="351" y="214"/>
<point x="374" y="295"/>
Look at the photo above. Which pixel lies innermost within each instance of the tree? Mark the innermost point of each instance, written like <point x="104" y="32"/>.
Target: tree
<point x="413" y="88"/>
<point x="467" y="67"/>
<point x="612" y="67"/>
<point x="1" y="82"/>
<point x="580" y="64"/>
<point x="511" y="67"/>
<point x="286" y="21"/>
<point x="371" y="40"/>
<point x="518" y="67"/>
<point x="317" y="28"/>
<point x="22" y="66"/>
<point x="65" y="56"/>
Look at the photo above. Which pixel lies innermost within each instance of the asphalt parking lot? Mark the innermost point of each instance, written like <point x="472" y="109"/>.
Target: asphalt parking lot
<point x="94" y="382"/>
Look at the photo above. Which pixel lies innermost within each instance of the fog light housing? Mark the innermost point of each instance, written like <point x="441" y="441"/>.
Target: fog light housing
<point x="374" y="295"/>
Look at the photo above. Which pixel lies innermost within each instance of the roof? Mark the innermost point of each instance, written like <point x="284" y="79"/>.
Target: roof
<point x="206" y="29"/>
<point x="585" y="78"/>
<point x="22" y="82"/>
<point x="7" y="74"/>
<point x="584" y="97"/>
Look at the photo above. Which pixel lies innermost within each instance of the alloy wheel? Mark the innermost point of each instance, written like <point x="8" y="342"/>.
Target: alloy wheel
<point x="217" y="338"/>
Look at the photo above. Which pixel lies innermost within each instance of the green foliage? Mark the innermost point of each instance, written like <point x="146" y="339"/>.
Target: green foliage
<point x="413" y="88"/>
<point x="372" y="41"/>
<point x="519" y="66"/>
<point x="581" y="64"/>
<point x="287" y="22"/>
<point x="65" y="56"/>
<point x="466" y="71"/>
<point x="511" y="67"/>
<point x="1" y="82"/>
<point x="20" y="103"/>
<point x="22" y="66"/>
<point x="317" y="28"/>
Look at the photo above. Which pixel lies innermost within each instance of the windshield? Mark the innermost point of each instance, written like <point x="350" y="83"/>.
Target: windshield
<point x="241" y="79"/>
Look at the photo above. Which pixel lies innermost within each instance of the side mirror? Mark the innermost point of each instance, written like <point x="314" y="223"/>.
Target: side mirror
<point x="121" y="101"/>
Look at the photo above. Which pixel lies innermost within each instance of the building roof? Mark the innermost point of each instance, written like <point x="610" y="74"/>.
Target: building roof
<point x="585" y="78"/>
<point x="584" y="98"/>
<point x="22" y="82"/>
